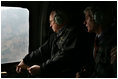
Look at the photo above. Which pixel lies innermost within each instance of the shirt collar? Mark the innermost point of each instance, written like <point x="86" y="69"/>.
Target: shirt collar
<point x="98" y="35"/>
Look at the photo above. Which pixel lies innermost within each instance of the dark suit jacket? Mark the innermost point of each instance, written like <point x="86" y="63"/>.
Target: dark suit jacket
<point x="106" y="58"/>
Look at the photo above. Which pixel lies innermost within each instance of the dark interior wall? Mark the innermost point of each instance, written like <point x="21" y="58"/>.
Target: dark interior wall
<point x="35" y="25"/>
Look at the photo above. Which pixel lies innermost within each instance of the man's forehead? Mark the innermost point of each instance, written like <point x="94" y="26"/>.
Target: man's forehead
<point x="51" y="17"/>
<point x="53" y="13"/>
<point x="87" y="14"/>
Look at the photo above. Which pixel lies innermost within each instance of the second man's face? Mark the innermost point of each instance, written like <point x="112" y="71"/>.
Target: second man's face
<point x="89" y="22"/>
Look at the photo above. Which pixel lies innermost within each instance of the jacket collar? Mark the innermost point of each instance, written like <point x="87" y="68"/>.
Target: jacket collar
<point x="61" y="31"/>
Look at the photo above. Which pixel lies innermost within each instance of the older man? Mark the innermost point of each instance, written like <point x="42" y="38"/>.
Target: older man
<point x="61" y="56"/>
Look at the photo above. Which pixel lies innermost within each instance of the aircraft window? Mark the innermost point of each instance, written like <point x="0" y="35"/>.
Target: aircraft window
<point x="14" y="33"/>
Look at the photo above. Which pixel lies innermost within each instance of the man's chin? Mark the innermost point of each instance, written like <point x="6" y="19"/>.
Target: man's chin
<point x="54" y="31"/>
<point x="90" y="30"/>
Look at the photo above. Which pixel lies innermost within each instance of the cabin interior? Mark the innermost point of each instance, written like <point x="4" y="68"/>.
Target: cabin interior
<point x="39" y="29"/>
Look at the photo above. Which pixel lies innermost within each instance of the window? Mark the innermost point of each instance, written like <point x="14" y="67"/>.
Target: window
<point x="14" y="33"/>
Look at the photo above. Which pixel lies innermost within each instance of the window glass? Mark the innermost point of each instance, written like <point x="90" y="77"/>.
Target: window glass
<point x="14" y="33"/>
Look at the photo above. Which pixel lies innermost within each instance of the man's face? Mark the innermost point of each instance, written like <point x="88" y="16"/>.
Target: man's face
<point x="53" y="25"/>
<point x="89" y="22"/>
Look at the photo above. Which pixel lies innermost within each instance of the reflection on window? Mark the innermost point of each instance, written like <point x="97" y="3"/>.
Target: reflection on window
<point x="14" y="33"/>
